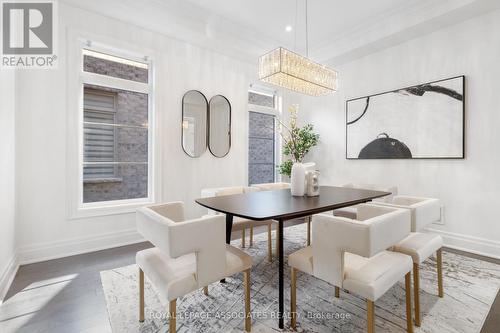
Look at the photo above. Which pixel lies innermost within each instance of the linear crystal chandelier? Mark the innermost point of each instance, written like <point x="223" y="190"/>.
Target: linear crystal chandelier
<point x="290" y="70"/>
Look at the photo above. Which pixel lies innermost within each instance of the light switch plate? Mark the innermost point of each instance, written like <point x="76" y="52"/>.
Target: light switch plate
<point x="441" y="220"/>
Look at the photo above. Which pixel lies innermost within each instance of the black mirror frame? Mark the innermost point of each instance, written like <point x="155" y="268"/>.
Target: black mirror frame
<point x="230" y="126"/>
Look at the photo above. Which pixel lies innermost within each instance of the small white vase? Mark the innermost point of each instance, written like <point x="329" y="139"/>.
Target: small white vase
<point x="298" y="180"/>
<point x="309" y="166"/>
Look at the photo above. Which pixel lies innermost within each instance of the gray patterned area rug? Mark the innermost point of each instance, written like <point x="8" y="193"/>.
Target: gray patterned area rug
<point x="470" y="288"/>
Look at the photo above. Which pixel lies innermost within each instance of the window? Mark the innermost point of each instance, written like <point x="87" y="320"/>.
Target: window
<point x="99" y="107"/>
<point x="260" y="99"/>
<point x="116" y="158"/>
<point x="263" y="146"/>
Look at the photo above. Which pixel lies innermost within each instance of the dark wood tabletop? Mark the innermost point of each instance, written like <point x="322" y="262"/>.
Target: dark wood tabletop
<point x="265" y="205"/>
<point x="280" y="205"/>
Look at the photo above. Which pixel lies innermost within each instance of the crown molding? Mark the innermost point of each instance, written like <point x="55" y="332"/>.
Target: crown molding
<point x="427" y="17"/>
<point x="405" y="26"/>
<point x="186" y="21"/>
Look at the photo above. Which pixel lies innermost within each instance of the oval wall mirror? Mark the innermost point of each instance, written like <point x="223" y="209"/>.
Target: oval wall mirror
<point x="219" y="119"/>
<point x="194" y="123"/>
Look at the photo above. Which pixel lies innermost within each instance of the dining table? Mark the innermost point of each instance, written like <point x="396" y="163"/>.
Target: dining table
<point x="281" y="206"/>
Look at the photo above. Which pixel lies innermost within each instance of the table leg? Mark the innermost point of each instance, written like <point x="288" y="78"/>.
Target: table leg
<point x="281" y="310"/>
<point x="229" y="229"/>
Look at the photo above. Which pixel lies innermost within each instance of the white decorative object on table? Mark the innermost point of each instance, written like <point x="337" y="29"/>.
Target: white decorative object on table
<point x="298" y="179"/>
<point x="312" y="187"/>
<point x="310" y="166"/>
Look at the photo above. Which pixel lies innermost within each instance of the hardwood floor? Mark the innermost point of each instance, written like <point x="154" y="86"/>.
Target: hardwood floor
<point x="65" y="295"/>
<point x="492" y="321"/>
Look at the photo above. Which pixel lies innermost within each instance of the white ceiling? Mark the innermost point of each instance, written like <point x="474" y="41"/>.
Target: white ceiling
<point x="327" y="19"/>
<point x="339" y="30"/>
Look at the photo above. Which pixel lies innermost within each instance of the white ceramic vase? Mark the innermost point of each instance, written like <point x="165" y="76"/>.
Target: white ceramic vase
<point x="298" y="180"/>
<point x="309" y="166"/>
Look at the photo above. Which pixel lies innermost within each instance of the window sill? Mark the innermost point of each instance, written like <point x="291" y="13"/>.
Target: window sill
<point x="111" y="208"/>
<point x="102" y="180"/>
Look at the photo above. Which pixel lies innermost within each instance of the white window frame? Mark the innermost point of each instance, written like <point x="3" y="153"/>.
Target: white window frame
<point x="276" y="112"/>
<point x="77" y="78"/>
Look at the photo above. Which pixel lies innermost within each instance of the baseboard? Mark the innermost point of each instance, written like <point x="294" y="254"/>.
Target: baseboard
<point x="8" y="276"/>
<point x="476" y="245"/>
<point x="48" y="251"/>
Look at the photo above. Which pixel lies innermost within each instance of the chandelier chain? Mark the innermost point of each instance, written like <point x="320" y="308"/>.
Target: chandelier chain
<point x="307" y="35"/>
<point x="290" y="70"/>
<point x="295" y="25"/>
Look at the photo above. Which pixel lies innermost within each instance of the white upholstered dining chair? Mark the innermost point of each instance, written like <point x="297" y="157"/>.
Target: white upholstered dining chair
<point x="187" y="255"/>
<point x="271" y="186"/>
<point x="351" y="254"/>
<point x="420" y="245"/>
<point x="350" y="212"/>
<point x="241" y="224"/>
<point x="282" y="186"/>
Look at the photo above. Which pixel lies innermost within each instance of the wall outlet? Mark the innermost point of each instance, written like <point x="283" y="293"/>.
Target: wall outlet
<point x="441" y="218"/>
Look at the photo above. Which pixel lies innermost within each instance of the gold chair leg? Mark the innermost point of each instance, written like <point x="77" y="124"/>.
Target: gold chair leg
<point x="205" y="290"/>
<point x="439" y="256"/>
<point x="293" y="298"/>
<point x="173" y="316"/>
<point x="416" y="296"/>
<point x="308" y="230"/>
<point x="141" y="295"/>
<point x="337" y="292"/>
<point x="409" y="319"/>
<point x="243" y="238"/>
<point x="248" y="314"/>
<point x="370" y="309"/>
<point x="251" y="236"/>
<point x="269" y="243"/>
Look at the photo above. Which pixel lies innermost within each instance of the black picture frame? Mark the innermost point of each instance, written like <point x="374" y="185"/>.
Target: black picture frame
<point x="406" y="88"/>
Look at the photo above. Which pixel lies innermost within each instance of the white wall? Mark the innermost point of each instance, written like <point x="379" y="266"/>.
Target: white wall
<point x="470" y="188"/>
<point x="44" y="228"/>
<point x="7" y="179"/>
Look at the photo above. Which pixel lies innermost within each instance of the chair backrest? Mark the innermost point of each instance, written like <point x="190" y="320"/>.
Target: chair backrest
<point x="205" y="237"/>
<point x="221" y="191"/>
<point x="173" y="211"/>
<point x="377" y="229"/>
<point x="375" y="187"/>
<point x="424" y="211"/>
<point x="271" y="186"/>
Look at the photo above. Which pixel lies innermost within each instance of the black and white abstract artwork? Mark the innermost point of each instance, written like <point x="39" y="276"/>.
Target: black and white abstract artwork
<point x="423" y="121"/>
